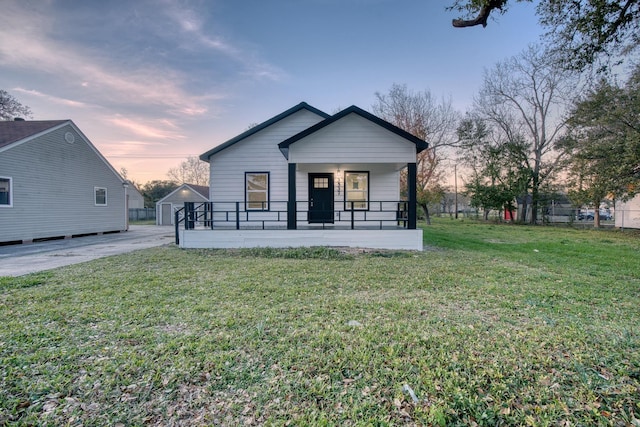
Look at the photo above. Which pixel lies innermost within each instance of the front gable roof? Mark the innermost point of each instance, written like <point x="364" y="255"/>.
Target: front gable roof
<point x="303" y="105"/>
<point x="420" y="144"/>
<point x="17" y="130"/>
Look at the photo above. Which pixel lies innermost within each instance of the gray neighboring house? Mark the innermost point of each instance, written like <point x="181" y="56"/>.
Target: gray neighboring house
<point x="169" y="204"/>
<point x="136" y="199"/>
<point x="54" y="183"/>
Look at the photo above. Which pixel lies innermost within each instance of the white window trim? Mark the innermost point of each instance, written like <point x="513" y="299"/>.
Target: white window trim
<point x="95" y="200"/>
<point x="10" y="205"/>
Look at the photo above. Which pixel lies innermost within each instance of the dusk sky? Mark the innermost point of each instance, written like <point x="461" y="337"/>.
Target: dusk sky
<point x="151" y="82"/>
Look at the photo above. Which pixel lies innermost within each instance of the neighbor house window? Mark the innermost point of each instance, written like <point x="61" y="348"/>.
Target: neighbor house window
<point x="100" y="196"/>
<point x="6" y="192"/>
<point x="356" y="190"/>
<point x="256" y="191"/>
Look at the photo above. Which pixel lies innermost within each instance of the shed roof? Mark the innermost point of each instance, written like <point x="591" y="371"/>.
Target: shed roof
<point x="420" y="144"/>
<point x="200" y="190"/>
<point x="263" y="125"/>
<point x="17" y="130"/>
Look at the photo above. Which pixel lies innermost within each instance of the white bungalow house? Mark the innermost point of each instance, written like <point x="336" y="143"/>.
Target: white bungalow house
<point x="306" y="178"/>
<point x="54" y="183"/>
<point x="174" y="201"/>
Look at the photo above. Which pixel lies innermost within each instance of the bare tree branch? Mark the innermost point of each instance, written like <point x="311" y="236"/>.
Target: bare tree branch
<point x="482" y="17"/>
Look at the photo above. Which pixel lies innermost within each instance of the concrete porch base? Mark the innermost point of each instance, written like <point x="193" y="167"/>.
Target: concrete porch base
<point x="375" y="239"/>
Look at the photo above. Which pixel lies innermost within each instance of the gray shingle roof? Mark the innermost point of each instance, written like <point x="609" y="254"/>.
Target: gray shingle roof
<point x="14" y="131"/>
<point x="201" y="189"/>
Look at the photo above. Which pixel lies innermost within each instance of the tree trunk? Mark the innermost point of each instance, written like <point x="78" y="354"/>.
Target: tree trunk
<point x="523" y="214"/>
<point x="534" y="198"/>
<point x="427" y="218"/>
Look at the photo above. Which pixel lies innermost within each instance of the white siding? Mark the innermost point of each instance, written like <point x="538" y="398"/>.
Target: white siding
<point x="627" y="215"/>
<point x="53" y="189"/>
<point x="384" y="186"/>
<point x="257" y="153"/>
<point x="352" y="139"/>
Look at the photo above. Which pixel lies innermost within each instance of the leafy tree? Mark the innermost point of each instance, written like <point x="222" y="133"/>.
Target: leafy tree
<point x="604" y="143"/>
<point x="583" y="30"/>
<point x="499" y="171"/>
<point x="10" y="108"/>
<point x="191" y="171"/>
<point x="420" y="114"/>
<point x="156" y="190"/>
<point x="523" y="100"/>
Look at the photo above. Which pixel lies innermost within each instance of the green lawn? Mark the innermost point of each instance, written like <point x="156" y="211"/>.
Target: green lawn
<point x="492" y="325"/>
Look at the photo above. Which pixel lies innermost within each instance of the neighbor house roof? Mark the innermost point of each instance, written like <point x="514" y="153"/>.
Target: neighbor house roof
<point x="263" y="125"/>
<point x="17" y="130"/>
<point x="420" y="144"/>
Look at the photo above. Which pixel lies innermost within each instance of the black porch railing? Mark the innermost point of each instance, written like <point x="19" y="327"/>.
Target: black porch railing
<point x="275" y="215"/>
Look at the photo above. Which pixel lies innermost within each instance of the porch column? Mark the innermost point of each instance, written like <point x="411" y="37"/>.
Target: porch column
<point x="412" y="183"/>
<point x="291" y="202"/>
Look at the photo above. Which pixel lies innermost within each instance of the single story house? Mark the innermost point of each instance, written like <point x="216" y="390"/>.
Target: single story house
<point x="307" y="178"/>
<point x="627" y="214"/>
<point x="172" y="202"/>
<point x="136" y="199"/>
<point x="54" y="183"/>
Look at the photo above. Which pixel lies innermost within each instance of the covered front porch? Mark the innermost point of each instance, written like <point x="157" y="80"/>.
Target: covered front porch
<point x="384" y="225"/>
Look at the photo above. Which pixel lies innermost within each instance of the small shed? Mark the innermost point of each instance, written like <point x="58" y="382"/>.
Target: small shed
<point x="307" y="178"/>
<point x="169" y="204"/>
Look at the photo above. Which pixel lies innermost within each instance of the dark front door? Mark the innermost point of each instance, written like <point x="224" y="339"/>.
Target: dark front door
<point x="321" y="197"/>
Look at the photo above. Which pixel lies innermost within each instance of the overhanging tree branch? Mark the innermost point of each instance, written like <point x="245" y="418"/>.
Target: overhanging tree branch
<point x="483" y="15"/>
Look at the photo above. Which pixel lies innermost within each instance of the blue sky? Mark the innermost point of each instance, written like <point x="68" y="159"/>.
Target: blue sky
<point x="152" y="82"/>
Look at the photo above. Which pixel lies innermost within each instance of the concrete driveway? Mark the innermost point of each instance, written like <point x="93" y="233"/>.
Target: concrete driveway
<point x="17" y="260"/>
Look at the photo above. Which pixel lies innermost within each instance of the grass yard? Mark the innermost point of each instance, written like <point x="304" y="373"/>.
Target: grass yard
<point x="493" y="325"/>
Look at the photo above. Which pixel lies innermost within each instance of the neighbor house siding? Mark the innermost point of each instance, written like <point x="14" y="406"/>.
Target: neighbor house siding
<point x="53" y="189"/>
<point x="353" y="139"/>
<point x="627" y="214"/>
<point x="256" y="153"/>
<point x="136" y="200"/>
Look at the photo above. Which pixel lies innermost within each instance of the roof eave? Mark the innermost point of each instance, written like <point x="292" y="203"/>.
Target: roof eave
<point x="303" y="105"/>
<point x="420" y="144"/>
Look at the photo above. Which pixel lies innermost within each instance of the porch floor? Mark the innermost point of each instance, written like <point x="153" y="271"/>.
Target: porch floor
<point x="305" y="227"/>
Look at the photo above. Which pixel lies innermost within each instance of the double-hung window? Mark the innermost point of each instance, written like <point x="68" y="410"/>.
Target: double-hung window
<point x="100" y="196"/>
<point x="356" y="190"/>
<point x="6" y="192"/>
<point x="256" y="195"/>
